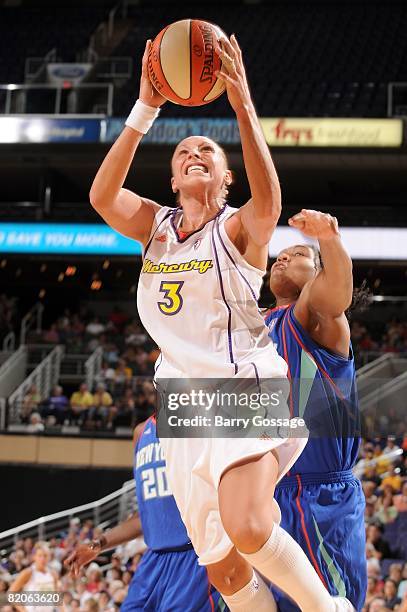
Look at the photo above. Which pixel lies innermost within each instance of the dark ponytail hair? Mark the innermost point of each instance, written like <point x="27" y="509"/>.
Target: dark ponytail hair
<point x="362" y="296"/>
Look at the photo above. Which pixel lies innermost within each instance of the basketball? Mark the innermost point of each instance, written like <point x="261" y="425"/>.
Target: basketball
<point x="182" y="62"/>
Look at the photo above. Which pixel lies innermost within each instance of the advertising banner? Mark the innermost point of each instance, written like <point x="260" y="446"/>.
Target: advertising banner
<point x="36" y="129"/>
<point x="80" y="239"/>
<point x="333" y="132"/>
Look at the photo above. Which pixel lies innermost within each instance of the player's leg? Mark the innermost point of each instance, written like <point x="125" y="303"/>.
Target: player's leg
<point x="322" y="518"/>
<point x="147" y="585"/>
<point x="241" y="587"/>
<point x="248" y="520"/>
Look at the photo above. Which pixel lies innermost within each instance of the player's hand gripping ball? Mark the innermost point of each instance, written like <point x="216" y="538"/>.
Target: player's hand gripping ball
<point x="183" y="64"/>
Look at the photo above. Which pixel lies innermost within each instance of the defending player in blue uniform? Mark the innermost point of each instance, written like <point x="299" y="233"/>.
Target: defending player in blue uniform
<point x="168" y="577"/>
<point x="322" y="503"/>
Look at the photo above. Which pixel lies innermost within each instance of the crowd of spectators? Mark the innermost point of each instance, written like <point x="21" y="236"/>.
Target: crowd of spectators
<point x="102" y="586"/>
<point x="382" y="468"/>
<point x="108" y="407"/>
<point x="370" y="338"/>
<point x="122" y="393"/>
<point x="99" y="587"/>
<point x="119" y="335"/>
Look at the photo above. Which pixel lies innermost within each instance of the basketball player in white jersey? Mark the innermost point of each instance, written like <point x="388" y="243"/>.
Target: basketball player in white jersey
<point x="37" y="577"/>
<point x="197" y="297"/>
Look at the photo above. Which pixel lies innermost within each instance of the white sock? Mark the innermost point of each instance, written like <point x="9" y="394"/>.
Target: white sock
<point x="286" y="565"/>
<point x="254" y="597"/>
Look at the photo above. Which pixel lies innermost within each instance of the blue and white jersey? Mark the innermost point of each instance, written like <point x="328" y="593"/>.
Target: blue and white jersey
<point x="323" y="393"/>
<point x="162" y="526"/>
<point x="197" y="298"/>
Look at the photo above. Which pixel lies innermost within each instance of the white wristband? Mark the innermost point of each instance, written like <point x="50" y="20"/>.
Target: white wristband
<point x="142" y="117"/>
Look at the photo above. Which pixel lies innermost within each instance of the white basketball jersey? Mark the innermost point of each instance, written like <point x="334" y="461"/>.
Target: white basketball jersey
<point x="40" y="581"/>
<point x="197" y="298"/>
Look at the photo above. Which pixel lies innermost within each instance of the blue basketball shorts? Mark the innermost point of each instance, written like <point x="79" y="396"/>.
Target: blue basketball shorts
<point x="327" y="520"/>
<point x="171" y="582"/>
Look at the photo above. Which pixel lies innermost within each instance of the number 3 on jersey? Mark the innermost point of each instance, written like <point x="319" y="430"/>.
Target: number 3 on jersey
<point x="172" y="296"/>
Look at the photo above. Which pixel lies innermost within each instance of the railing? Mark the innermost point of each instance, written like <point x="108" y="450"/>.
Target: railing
<point x="45" y="376"/>
<point x="2" y="414"/>
<point x="9" y="342"/>
<point x="93" y="366"/>
<point x="34" y="65"/>
<point x="20" y="99"/>
<point x="34" y="316"/>
<point x="13" y="371"/>
<point x="107" y="512"/>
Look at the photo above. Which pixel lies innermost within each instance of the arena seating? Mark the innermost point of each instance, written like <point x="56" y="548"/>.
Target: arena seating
<point x="341" y="70"/>
<point x="32" y="32"/>
<point x="292" y="73"/>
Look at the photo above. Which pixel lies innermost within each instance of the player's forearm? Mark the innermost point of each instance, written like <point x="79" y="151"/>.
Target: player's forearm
<point x="260" y="169"/>
<point x="114" y="169"/>
<point x="122" y="533"/>
<point x="337" y="273"/>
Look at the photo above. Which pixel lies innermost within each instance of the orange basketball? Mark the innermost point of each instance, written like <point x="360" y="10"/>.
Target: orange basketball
<point x="182" y="62"/>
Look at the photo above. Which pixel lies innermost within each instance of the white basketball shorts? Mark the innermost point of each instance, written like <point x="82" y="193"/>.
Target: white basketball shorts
<point x="194" y="469"/>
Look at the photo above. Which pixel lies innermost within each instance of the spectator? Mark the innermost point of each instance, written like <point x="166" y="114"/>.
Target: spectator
<point x="57" y="405"/>
<point x="395" y="572"/>
<point x="106" y="376"/>
<point x="378" y="605"/>
<point x="31" y="401"/>
<point x="94" y="576"/>
<point x="381" y="547"/>
<point x="122" y="376"/>
<point x="390" y="594"/>
<point x="369" y="489"/>
<point x="104" y="601"/>
<point x="400" y="501"/>
<point x="371" y="593"/>
<point x="372" y="562"/>
<point x="102" y="401"/>
<point x="95" y="327"/>
<point x="402" y="590"/>
<point x="83" y="593"/>
<point x="385" y="510"/>
<point x="80" y="402"/>
<point x="370" y="514"/>
<point x="116" y="562"/>
<point x="393" y="479"/>
<point x="91" y="605"/>
<point x="391" y="445"/>
<point x="35" y="425"/>
<point x="51" y="336"/>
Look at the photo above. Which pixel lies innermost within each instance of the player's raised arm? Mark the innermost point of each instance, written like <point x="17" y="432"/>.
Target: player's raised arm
<point x="260" y="215"/>
<point x="330" y="292"/>
<point x="125" y="211"/>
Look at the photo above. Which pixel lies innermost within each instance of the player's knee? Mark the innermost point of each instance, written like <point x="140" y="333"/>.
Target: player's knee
<point x="250" y="533"/>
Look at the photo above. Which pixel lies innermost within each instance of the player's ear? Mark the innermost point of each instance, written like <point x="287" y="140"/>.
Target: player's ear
<point x="174" y="185"/>
<point x="228" y="177"/>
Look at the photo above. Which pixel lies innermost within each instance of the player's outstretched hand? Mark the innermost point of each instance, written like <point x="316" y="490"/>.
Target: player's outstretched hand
<point x="233" y="73"/>
<point x="315" y="224"/>
<point x="148" y="94"/>
<point x="80" y="556"/>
